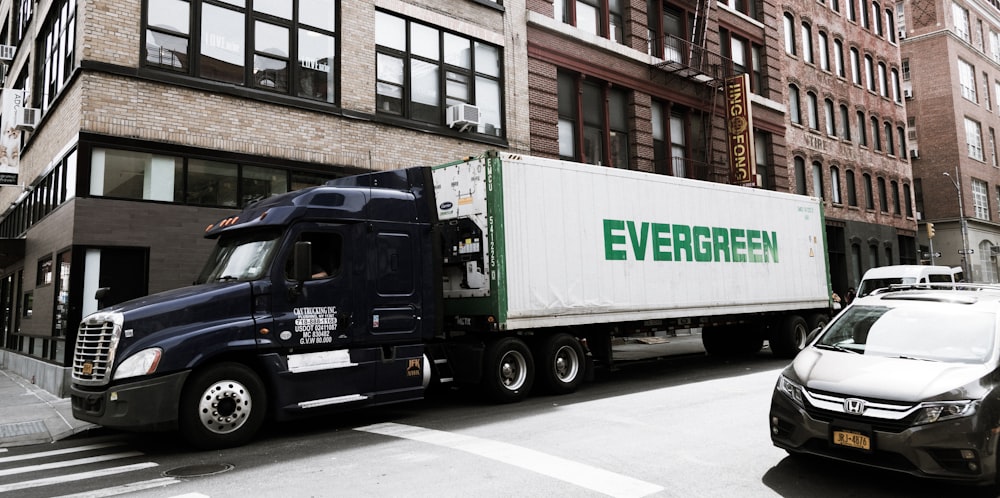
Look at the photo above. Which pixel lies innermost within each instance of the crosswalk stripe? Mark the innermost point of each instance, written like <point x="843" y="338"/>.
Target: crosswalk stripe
<point x="132" y="487"/>
<point x="44" y="454"/>
<point x="48" y="481"/>
<point x="69" y="463"/>
<point x="576" y="473"/>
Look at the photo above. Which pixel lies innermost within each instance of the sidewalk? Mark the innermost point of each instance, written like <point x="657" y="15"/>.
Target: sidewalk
<point x="32" y="415"/>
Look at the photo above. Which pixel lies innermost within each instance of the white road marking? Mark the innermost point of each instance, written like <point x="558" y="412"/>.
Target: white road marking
<point x="576" y="473"/>
<point x="48" y="481"/>
<point x="69" y="463"/>
<point x="43" y="454"/>
<point x="133" y="487"/>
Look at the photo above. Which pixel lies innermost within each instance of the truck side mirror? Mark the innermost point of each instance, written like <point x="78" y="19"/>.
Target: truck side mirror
<point x="302" y="261"/>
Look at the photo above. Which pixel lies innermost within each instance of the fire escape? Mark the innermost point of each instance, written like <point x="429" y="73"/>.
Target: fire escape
<point x="707" y="71"/>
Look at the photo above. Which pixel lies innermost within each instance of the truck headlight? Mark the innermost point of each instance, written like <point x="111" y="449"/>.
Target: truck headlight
<point x="142" y="363"/>
<point x="944" y="410"/>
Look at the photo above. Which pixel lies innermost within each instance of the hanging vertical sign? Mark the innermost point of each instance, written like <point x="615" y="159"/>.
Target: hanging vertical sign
<point x="10" y="137"/>
<point x="742" y="160"/>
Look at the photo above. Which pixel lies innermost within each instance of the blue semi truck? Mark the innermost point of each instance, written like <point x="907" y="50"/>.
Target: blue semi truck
<point x="504" y="272"/>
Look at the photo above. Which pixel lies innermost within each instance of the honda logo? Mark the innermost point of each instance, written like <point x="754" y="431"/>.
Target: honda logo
<point x="854" y="406"/>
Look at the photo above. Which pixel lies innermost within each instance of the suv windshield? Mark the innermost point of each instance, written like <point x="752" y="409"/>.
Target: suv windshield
<point x="938" y="332"/>
<point x="240" y="257"/>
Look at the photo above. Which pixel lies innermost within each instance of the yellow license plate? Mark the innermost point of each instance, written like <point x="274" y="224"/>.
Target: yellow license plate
<point x="852" y="440"/>
<point x="88" y="368"/>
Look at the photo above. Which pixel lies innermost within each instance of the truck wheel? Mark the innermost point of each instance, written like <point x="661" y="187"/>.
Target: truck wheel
<point x="509" y="370"/>
<point x="222" y="406"/>
<point x="789" y="337"/>
<point x="563" y="365"/>
<point x="818" y="321"/>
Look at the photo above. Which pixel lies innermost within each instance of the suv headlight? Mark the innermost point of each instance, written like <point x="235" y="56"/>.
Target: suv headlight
<point x="790" y="389"/>
<point x="937" y="411"/>
<point x="142" y="363"/>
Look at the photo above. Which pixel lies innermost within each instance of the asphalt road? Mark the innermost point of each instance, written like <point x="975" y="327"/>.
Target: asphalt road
<point x="683" y="427"/>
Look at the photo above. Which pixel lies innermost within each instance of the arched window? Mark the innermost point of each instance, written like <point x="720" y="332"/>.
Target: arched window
<point x="794" y="105"/>
<point x="789" y="33"/>
<point x="800" y="176"/>
<point x="835" y="185"/>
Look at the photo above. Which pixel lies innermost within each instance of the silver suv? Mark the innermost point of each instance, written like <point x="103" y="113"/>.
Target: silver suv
<point x="904" y="379"/>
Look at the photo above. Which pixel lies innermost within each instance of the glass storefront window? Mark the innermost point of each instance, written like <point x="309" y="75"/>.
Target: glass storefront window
<point x="211" y="183"/>
<point x="260" y="183"/>
<point x="135" y="175"/>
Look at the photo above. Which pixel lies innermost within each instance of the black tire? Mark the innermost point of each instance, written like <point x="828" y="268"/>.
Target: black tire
<point x="789" y="336"/>
<point x="508" y="370"/>
<point x="563" y="364"/>
<point x="222" y="406"/>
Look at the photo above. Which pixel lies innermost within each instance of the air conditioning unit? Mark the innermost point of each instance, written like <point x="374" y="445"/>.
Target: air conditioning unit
<point x="7" y="52"/>
<point x="463" y="116"/>
<point x="901" y="34"/>
<point x="908" y="93"/>
<point x="914" y="154"/>
<point x="26" y="118"/>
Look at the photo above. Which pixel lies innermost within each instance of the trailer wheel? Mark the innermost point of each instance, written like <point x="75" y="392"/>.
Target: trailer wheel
<point x="789" y="337"/>
<point x="222" y="406"/>
<point x="563" y="364"/>
<point x="509" y="370"/>
<point x="817" y="321"/>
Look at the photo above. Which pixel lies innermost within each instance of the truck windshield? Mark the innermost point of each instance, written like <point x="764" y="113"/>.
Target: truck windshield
<point x="240" y="257"/>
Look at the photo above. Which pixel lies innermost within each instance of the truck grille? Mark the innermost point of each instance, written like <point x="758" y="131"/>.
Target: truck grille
<point x="95" y="349"/>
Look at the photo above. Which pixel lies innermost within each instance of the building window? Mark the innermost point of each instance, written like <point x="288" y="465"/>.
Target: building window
<point x="824" y="52"/>
<point x="789" y="34"/>
<point x="800" y="176"/>
<point x="890" y="146"/>
<point x="905" y="64"/>
<point x="863" y="11"/>
<point x="901" y="139"/>
<point x="894" y="186"/>
<point x="897" y="95"/>
<point x="994" y="46"/>
<point x="870" y="72"/>
<point x="813" y="111"/>
<point x="855" y="66"/>
<point x="845" y="122"/>
<point x="852" y="11"/>
<point x="589" y="16"/>
<point x="890" y="24"/>
<point x="992" y="147"/>
<point x="835" y="185"/>
<point x="669" y="140"/>
<point x="45" y="272"/>
<point x="807" y="49"/>
<point x="877" y="18"/>
<point x="421" y="71"/>
<point x="748" y="8"/>
<point x="980" y="199"/>
<point x="973" y="139"/>
<point x="876" y="135"/>
<point x="883" y="198"/>
<point x="600" y="135"/>
<point x="869" y="194"/>
<point x="58" y="37"/>
<point x="967" y="80"/>
<point x="862" y="130"/>
<point x="287" y="50"/>
<point x="987" y="262"/>
<point x="818" y="180"/>
<point x="960" y="16"/>
<point x="838" y="57"/>
<point x="794" y="105"/>
<point x="134" y="175"/>
<point x="883" y="83"/>
<point x="852" y="190"/>
<point x="745" y="56"/>
<point x="830" y="115"/>
<point x="669" y="28"/>
<point x="907" y="201"/>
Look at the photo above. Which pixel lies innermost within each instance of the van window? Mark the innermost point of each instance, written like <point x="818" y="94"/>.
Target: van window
<point x="940" y="278"/>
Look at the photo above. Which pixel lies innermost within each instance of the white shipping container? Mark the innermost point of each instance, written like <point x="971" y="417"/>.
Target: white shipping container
<point x="569" y="243"/>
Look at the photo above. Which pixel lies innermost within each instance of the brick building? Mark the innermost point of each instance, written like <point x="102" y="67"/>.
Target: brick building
<point x="846" y="133"/>
<point x="950" y="56"/>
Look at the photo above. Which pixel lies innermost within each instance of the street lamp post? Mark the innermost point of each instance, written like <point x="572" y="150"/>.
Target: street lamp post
<point x="956" y="181"/>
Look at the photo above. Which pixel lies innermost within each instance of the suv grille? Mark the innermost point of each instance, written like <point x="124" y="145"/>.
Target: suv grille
<point x="95" y="350"/>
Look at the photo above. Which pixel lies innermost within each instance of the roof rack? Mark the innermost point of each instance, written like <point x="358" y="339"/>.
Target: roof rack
<point x="957" y="286"/>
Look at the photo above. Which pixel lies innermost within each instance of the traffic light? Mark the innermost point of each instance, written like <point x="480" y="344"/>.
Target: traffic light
<point x="930" y="230"/>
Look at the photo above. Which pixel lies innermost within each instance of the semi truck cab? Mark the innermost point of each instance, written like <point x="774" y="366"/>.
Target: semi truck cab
<point x="319" y="299"/>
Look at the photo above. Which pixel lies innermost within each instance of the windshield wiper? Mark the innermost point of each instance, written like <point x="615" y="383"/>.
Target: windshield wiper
<point x="904" y="357"/>
<point x="226" y="278"/>
<point x="834" y="347"/>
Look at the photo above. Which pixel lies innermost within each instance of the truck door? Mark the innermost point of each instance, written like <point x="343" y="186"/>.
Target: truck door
<point x="315" y="314"/>
<point x="393" y="297"/>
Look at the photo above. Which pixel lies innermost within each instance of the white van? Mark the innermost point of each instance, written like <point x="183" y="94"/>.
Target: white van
<point x="884" y="276"/>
